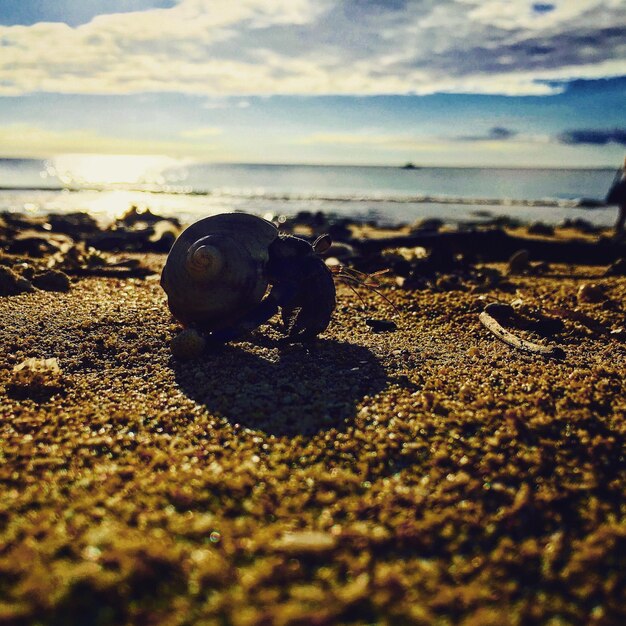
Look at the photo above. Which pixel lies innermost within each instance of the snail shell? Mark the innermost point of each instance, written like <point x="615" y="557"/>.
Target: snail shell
<point x="215" y="271"/>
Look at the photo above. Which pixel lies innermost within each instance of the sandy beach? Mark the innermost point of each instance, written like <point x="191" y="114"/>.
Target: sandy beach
<point x="429" y="474"/>
<point x="388" y="388"/>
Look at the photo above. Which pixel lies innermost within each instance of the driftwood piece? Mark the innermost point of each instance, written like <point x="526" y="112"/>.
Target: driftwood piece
<point x="496" y="245"/>
<point x="512" y="340"/>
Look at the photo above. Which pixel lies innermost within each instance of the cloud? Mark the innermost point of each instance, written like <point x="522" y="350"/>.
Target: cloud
<point x="381" y="141"/>
<point x="594" y="137"/>
<point x="543" y="7"/>
<point x="394" y="142"/>
<point x="70" y="11"/>
<point x="221" y="48"/>
<point x="26" y="140"/>
<point x="496" y="133"/>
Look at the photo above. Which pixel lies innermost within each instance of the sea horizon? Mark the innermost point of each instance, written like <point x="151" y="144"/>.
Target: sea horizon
<point x="106" y="185"/>
<point x="251" y="163"/>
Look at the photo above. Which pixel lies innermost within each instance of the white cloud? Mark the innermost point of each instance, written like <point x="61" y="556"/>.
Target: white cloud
<point x="513" y="14"/>
<point x="26" y="140"/>
<point x="403" y="142"/>
<point x="223" y="48"/>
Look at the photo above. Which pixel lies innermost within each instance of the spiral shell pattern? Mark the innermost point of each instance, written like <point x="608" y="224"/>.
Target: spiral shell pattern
<point x="204" y="261"/>
<point x="215" y="272"/>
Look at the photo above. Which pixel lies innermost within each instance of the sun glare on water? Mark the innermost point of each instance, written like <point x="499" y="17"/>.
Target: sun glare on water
<point x="109" y="170"/>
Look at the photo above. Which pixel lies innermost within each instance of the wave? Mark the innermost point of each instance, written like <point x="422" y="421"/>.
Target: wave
<point x="271" y="196"/>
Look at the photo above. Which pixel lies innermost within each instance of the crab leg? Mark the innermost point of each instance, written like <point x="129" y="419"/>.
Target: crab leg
<point x="261" y="314"/>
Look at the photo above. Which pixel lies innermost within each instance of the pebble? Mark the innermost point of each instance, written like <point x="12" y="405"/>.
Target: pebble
<point x="590" y="292"/>
<point x="305" y="542"/>
<point x="12" y="284"/>
<point x="189" y="344"/>
<point x="618" y="268"/>
<point x="52" y="280"/>
<point x="519" y="262"/>
<point x="381" y="326"/>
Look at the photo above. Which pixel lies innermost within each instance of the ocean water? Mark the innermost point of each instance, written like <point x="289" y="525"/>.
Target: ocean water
<point x="106" y="186"/>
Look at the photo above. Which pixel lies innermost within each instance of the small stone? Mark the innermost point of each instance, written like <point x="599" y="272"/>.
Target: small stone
<point x="37" y="379"/>
<point x="12" y="284"/>
<point x="381" y="326"/>
<point x="518" y="262"/>
<point x="52" y="280"/>
<point x="428" y="224"/>
<point x="539" y="228"/>
<point x="26" y="270"/>
<point x="187" y="345"/>
<point x="305" y="542"/>
<point x="50" y="366"/>
<point x="618" y="268"/>
<point x="618" y="333"/>
<point x="590" y="292"/>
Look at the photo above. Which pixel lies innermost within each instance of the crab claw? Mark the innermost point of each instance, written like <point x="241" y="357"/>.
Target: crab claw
<point x="307" y="311"/>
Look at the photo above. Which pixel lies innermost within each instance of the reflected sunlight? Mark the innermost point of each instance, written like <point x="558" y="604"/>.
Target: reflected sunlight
<point x="109" y="170"/>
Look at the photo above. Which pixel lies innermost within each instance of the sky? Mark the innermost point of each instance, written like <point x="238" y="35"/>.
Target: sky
<point x="383" y="82"/>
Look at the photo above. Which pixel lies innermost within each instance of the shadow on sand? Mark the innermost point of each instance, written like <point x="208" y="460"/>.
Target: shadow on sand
<point x="297" y="389"/>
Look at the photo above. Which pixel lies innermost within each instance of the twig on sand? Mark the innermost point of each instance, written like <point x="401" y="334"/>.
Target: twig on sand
<point x="512" y="340"/>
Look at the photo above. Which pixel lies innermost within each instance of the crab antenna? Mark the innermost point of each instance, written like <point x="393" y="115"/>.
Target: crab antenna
<point x="350" y="277"/>
<point x="358" y="295"/>
<point x="369" y="280"/>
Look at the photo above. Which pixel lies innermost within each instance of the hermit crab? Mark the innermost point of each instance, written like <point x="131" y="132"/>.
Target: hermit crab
<point x="228" y="274"/>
